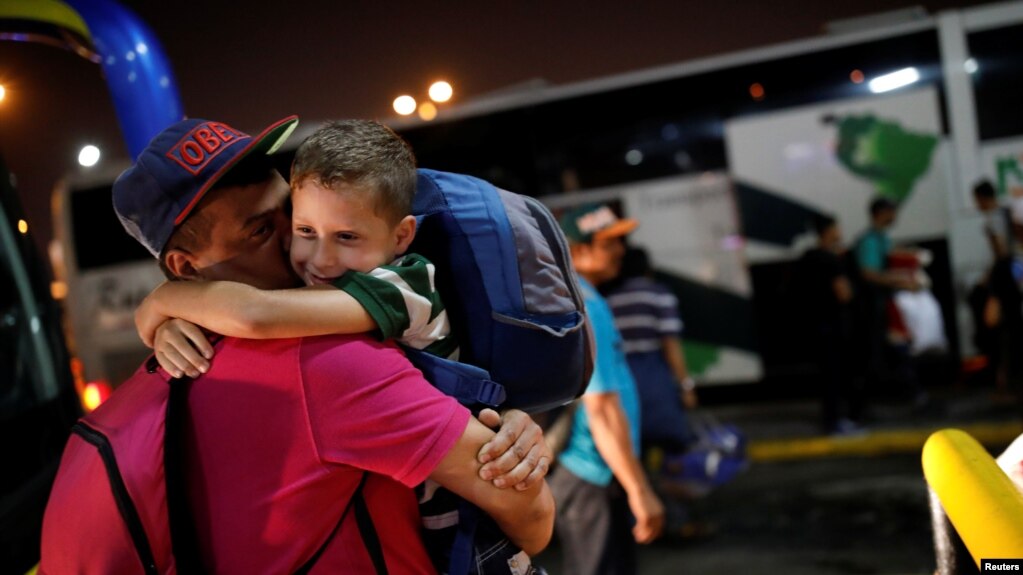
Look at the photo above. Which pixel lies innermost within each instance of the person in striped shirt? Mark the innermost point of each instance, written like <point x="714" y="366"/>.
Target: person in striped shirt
<point x="352" y="185"/>
<point x="646" y="314"/>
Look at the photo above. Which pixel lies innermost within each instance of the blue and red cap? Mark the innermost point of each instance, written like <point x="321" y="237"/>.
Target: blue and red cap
<point x="178" y="167"/>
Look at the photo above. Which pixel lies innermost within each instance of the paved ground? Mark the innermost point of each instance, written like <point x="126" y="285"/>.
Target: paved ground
<point x="824" y="505"/>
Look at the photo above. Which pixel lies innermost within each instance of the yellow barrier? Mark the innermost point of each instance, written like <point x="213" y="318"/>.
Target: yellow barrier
<point x="979" y="498"/>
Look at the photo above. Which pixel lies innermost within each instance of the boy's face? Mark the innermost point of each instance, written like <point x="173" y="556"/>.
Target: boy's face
<point x="337" y="230"/>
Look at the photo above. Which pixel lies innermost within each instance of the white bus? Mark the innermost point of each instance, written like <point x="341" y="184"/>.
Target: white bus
<point x="913" y="106"/>
<point x="101" y="274"/>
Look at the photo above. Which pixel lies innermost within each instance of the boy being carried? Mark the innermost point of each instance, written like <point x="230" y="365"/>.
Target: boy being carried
<point x="352" y="188"/>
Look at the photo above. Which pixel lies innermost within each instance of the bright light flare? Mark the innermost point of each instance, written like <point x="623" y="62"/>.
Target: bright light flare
<point x="894" y="81"/>
<point x="856" y="77"/>
<point x="427" y="111"/>
<point x="94" y="394"/>
<point x="3" y="92"/>
<point x="971" y="66"/>
<point x="58" y="290"/>
<point x="88" y="156"/>
<point x="405" y="105"/>
<point x="441" y="91"/>
<point x="23" y="226"/>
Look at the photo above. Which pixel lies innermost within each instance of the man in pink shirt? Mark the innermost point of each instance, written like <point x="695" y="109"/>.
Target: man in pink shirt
<point x="283" y="435"/>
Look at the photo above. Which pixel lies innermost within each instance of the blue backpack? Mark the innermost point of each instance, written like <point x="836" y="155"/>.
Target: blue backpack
<point x="504" y="273"/>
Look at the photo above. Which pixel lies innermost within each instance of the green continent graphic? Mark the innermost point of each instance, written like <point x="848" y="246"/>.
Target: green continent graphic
<point x="891" y="158"/>
<point x="700" y="356"/>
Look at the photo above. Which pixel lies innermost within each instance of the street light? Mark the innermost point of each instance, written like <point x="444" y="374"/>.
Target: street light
<point x="88" y="156"/>
<point x="3" y="92"/>
<point x="441" y="91"/>
<point x="404" y="105"/>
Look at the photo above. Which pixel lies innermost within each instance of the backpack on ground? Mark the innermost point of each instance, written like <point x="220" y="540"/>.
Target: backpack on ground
<point x="506" y="278"/>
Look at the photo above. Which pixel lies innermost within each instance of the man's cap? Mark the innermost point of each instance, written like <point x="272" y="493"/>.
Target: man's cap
<point x="178" y="167"/>
<point x="591" y="222"/>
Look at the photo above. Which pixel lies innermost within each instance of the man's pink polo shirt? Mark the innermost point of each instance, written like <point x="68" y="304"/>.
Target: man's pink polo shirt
<point x="282" y="431"/>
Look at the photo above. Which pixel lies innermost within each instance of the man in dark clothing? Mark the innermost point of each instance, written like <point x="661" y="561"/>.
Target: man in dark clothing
<point x="826" y="295"/>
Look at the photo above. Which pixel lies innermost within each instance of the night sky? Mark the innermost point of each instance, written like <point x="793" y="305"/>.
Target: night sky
<point x="250" y="63"/>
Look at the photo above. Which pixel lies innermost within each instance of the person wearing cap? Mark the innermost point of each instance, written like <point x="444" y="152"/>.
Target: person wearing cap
<point x="285" y="434"/>
<point x="599" y="479"/>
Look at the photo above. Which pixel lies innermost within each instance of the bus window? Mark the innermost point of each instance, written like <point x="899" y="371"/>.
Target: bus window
<point x="997" y="73"/>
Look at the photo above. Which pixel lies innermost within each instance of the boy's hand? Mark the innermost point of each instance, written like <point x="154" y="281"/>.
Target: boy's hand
<point x="182" y="348"/>
<point x="517" y="455"/>
<point x="148" y="319"/>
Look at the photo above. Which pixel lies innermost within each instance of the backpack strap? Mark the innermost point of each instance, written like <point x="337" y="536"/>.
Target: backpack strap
<point x="184" y="540"/>
<point x="368" y="531"/>
<point x="469" y="384"/>
<point x="369" y="534"/>
<point x="125" y="505"/>
<point x="463" y="548"/>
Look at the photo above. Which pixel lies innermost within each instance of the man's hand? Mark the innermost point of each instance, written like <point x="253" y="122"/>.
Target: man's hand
<point x="517" y="455"/>
<point x="649" y="514"/>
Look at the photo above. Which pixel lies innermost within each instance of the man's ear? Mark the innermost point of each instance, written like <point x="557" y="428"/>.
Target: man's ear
<point x="182" y="264"/>
<point x="405" y="232"/>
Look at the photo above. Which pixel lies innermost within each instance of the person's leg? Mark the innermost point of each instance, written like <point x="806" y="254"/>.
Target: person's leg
<point x="829" y="365"/>
<point x="851" y="391"/>
<point x="621" y="545"/>
<point x="583" y="523"/>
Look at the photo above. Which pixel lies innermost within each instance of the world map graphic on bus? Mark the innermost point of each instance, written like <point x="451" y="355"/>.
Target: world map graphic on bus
<point x="884" y="153"/>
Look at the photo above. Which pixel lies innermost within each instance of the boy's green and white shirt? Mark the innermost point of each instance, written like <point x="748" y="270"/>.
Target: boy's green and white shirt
<point x="403" y="301"/>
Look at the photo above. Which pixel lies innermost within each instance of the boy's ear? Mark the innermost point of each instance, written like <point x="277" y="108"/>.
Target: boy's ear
<point x="405" y="232"/>
<point x="181" y="264"/>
